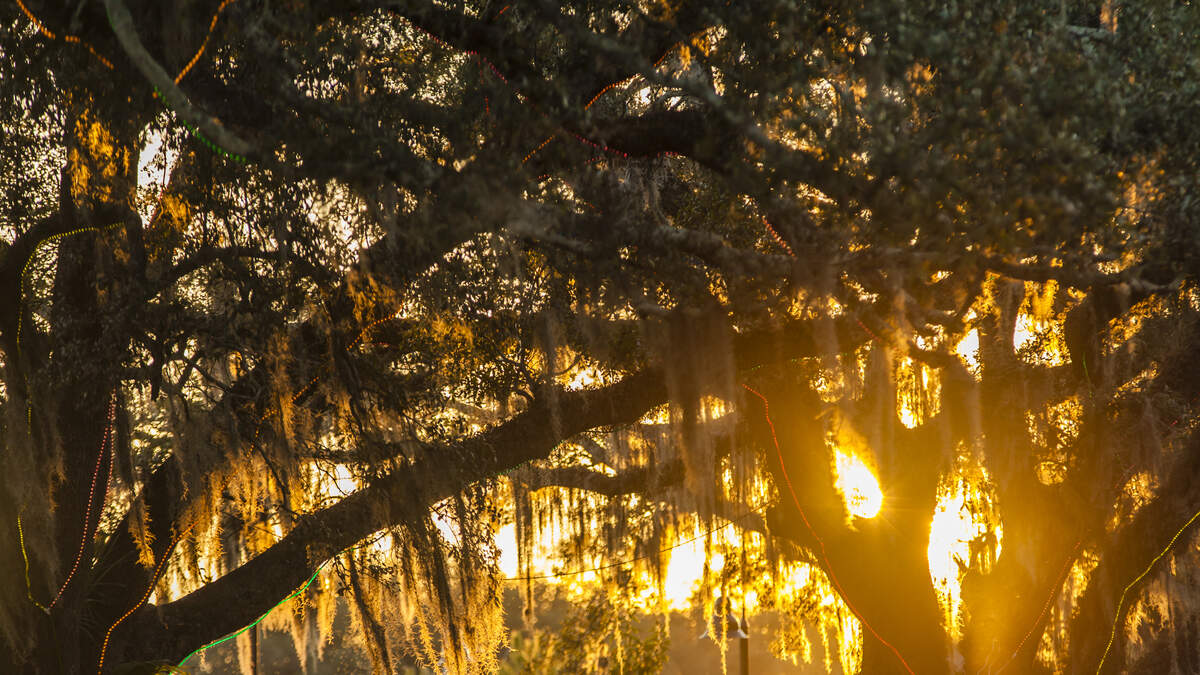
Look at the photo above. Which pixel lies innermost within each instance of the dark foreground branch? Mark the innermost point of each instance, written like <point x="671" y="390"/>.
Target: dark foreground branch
<point x="435" y="473"/>
<point x="239" y="597"/>
<point x="122" y="25"/>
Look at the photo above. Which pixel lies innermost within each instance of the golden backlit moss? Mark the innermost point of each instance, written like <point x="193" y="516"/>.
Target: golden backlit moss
<point x="965" y="533"/>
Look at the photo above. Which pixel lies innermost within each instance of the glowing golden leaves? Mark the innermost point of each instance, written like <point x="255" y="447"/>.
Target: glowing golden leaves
<point x="95" y="164"/>
<point x="1038" y="334"/>
<point x="450" y="328"/>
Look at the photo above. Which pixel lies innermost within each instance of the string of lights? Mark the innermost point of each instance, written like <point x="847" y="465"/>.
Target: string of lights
<point x="1054" y="590"/>
<point x="25" y="556"/>
<point x="158" y="570"/>
<point x="105" y="443"/>
<point x="271" y="411"/>
<point x="66" y="38"/>
<point x="29" y="261"/>
<point x="211" y="27"/>
<point x="273" y="608"/>
<point x="780" y="240"/>
<point x="240" y="159"/>
<point x="1121" y="603"/>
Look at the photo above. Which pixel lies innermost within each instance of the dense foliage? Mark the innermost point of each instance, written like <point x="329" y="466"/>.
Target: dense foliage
<point x="338" y="290"/>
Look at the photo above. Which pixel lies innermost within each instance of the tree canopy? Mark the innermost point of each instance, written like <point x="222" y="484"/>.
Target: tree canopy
<point x="894" y="302"/>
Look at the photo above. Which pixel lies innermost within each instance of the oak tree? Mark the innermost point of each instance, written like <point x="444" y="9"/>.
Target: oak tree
<point x="333" y="290"/>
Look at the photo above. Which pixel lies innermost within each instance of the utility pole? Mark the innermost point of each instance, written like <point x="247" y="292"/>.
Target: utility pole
<point x="744" y="645"/>
<point x="254" y="650"/>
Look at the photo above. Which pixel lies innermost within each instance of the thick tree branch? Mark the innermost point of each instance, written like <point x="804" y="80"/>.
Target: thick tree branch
<point x="1142" y="280"/>
<point x="122" y="25"/>
<point x="515" y="60"/>
<point x="432" y="474"/>
<point x="812" y="512"/>
<point x="209" y="612"/>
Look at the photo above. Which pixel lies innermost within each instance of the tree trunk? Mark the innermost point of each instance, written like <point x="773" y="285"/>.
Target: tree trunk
<point x="878" y="565"/>
<point x="72" y="373"/>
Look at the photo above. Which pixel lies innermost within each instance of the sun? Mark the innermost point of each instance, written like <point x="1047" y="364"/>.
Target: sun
<point x="858" y="485"/>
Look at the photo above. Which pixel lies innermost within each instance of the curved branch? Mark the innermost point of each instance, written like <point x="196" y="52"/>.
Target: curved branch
<point x="431" y="475"/>
<point x="211" y="254"/>
<point x="208" y="613"/>
<point x="122" y="25"/>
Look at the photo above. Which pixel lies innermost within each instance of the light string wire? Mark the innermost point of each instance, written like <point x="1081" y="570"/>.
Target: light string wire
<point x="25" y="556"/>
<point x="105" y="443"/>
<point x="158" y="570"/>
<point x="66" y="38"/>
<point x="1055" y="589"/>
<point x="276" y="606"/>
<point x="820" y="542"/>
<point x="1120" y="603"/>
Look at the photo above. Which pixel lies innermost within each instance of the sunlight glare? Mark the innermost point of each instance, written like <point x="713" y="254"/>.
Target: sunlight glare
<point x="584" y="378"/>
<point x="858" y="485"/>
<point x="918" y="392"/>
<point x="968" y="350"/>
<point x="506" y="543"/>
<point x="959" y="539"/>
<point x="683" y="572"/>
<point x="343" y="481"/>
